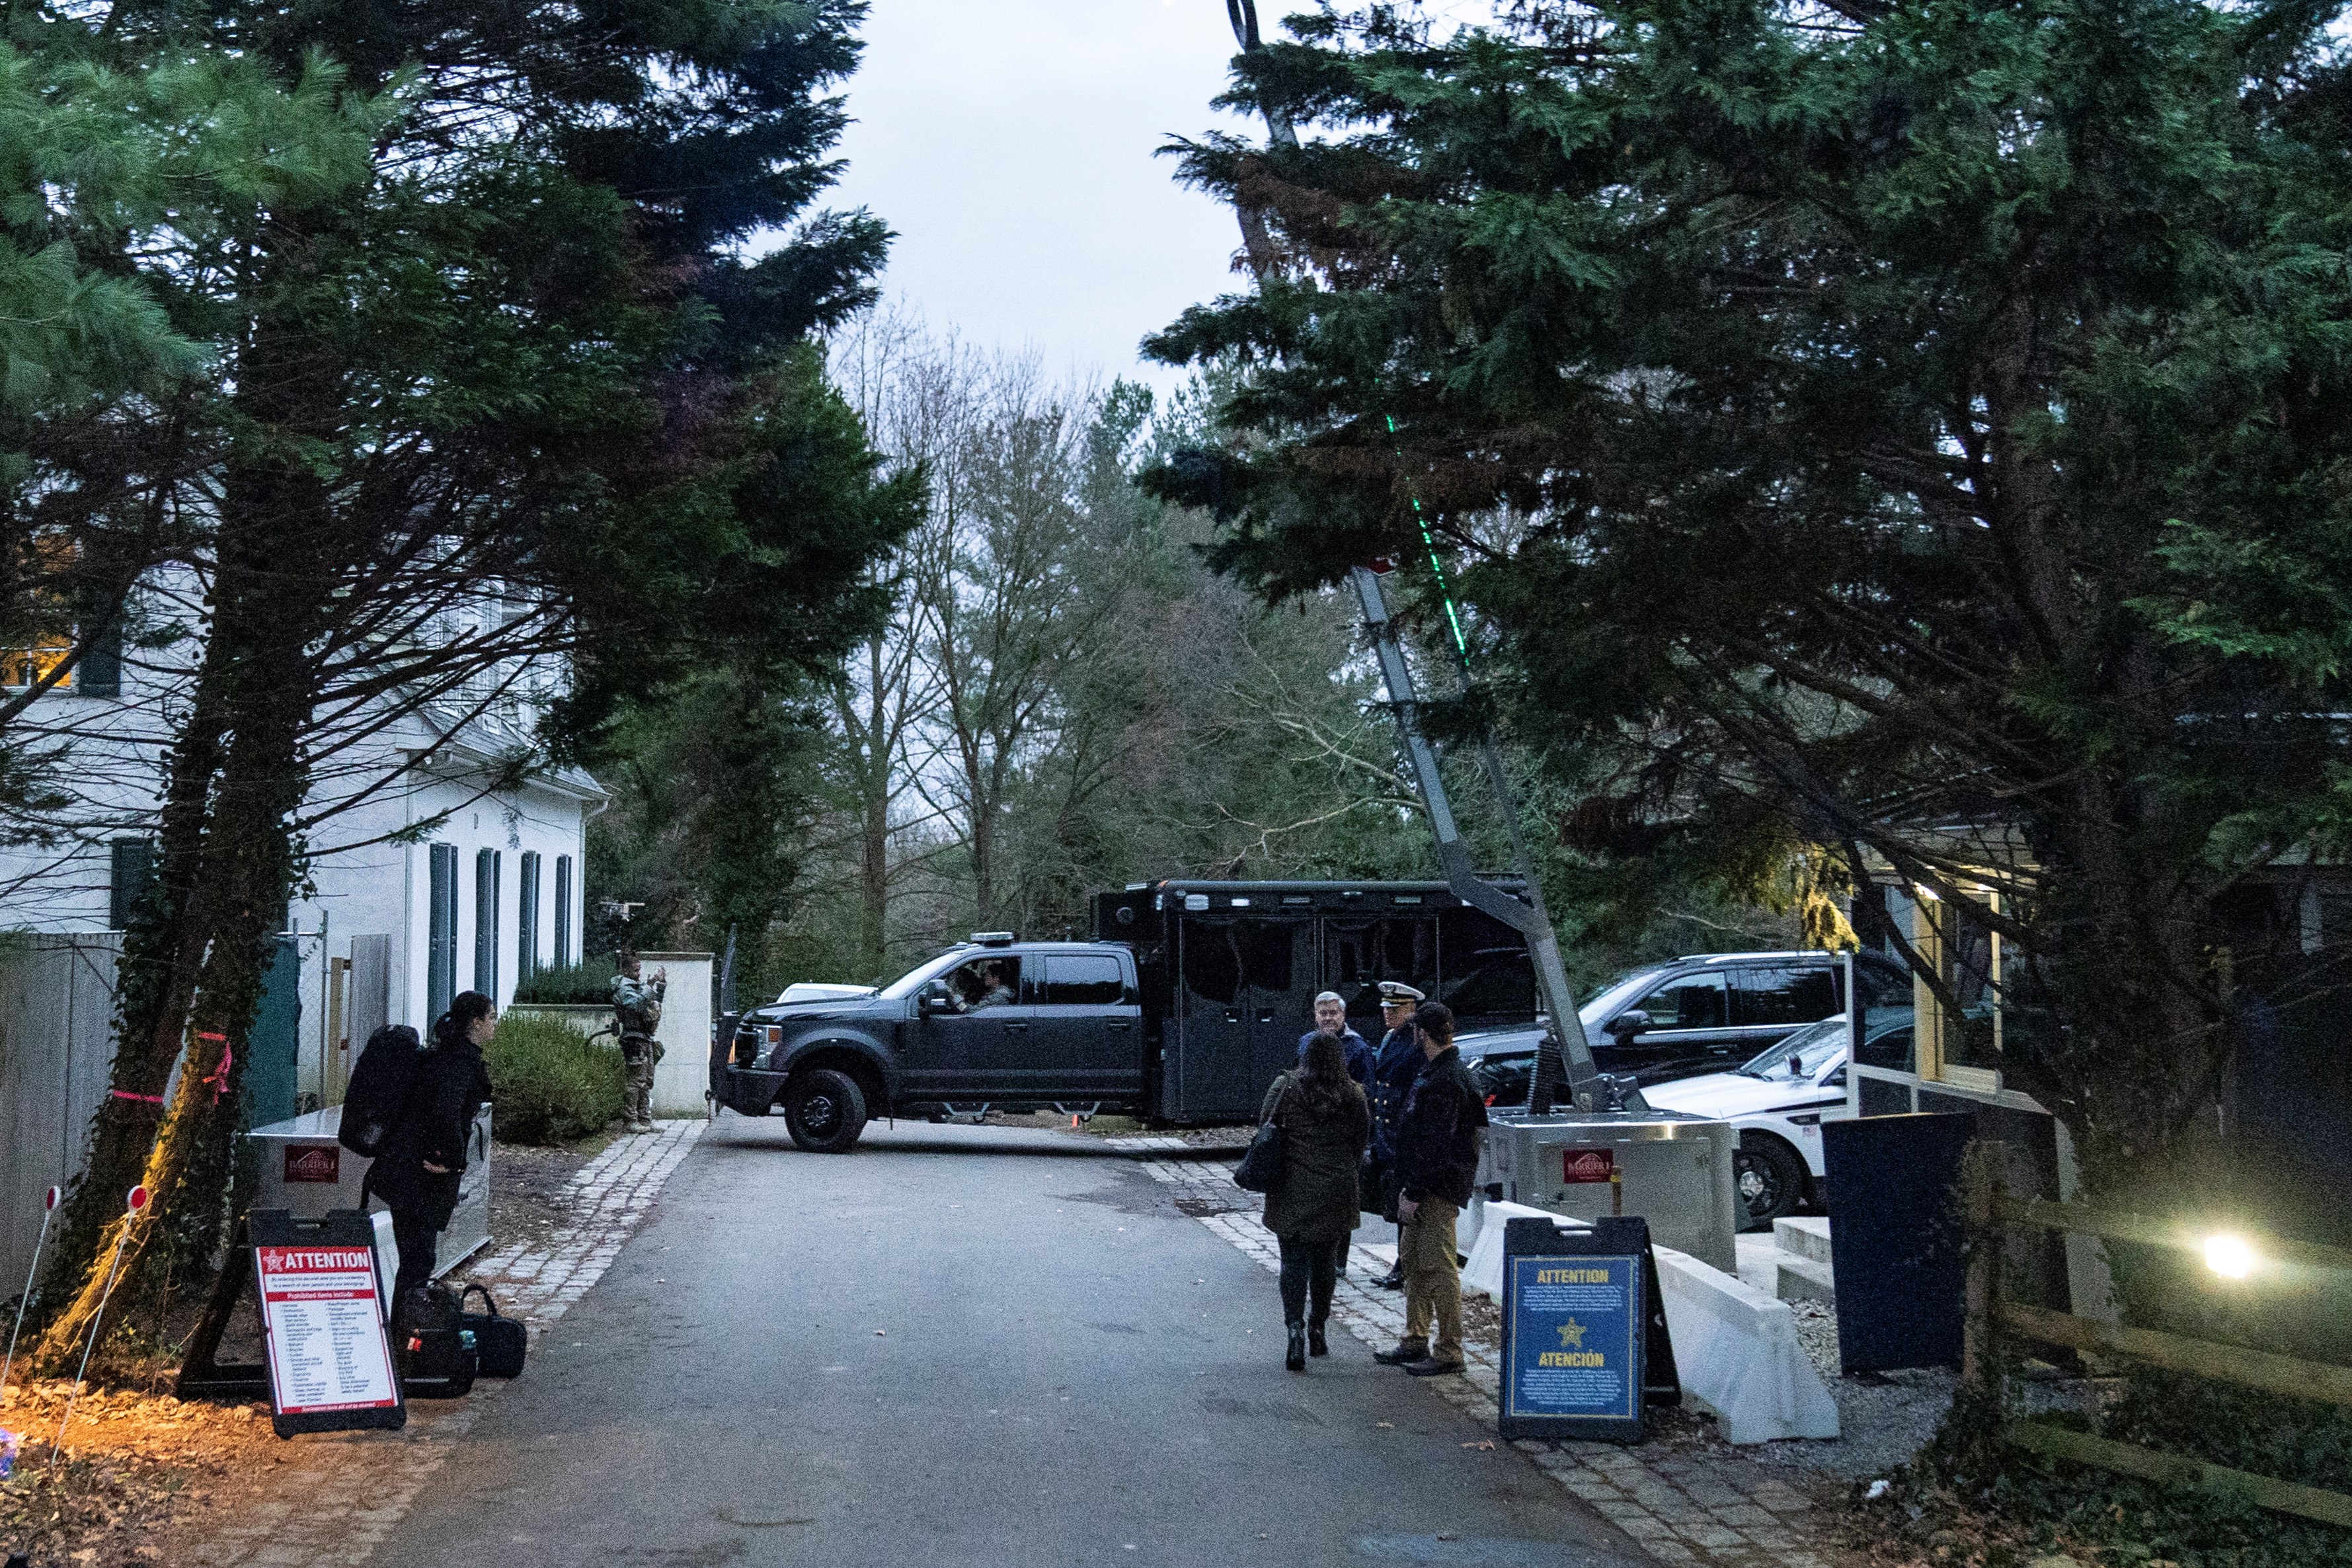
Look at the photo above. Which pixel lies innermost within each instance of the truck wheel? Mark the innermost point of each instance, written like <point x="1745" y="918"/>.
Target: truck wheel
<point x="825" y="1111"/>
<point x="1770" y="1177"/>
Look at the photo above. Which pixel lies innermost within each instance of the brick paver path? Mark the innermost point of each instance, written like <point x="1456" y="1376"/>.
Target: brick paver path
<point x="1692" y="1510"/>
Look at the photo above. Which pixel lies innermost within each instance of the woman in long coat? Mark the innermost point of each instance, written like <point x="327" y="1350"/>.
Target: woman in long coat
<point x="423" y="1161"/>
<point x="1313" y="1207"/>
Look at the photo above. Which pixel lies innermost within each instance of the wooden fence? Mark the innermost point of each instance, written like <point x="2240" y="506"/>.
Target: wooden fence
<point x="56" y="1054"/>
<point x="1992" y="1214"/>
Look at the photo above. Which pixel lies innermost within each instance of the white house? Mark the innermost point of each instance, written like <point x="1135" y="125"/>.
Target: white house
<point x="452" y="862"/>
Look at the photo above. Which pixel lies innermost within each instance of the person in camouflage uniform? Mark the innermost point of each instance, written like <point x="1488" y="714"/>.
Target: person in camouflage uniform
<point x="637" y="1014"/>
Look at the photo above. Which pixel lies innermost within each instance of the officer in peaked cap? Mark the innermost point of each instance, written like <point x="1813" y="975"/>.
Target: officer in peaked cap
<point x="1394" y="1066"/>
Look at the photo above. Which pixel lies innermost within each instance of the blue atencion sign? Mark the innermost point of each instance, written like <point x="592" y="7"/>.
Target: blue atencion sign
<point x="1574" y="1336"/>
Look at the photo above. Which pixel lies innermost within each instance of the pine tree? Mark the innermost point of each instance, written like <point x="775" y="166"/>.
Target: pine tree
<point x="521" y="355"/>
<point x="1922" y="427"/>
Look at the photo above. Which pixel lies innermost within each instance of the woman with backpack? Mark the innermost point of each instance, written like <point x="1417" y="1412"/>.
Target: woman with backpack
<point x="1312" y="1206"/>
<point x="423" y="1153"/>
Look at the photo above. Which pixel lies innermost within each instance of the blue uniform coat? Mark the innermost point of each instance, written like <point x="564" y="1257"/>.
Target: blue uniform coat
<point x="1394" y="1067"/>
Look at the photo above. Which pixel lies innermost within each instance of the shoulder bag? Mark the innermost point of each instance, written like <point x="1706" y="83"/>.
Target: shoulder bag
<point x="1262" y="1164"/>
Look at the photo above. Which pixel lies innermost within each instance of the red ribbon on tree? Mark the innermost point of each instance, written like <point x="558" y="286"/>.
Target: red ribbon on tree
<point x="219" y="1077"/>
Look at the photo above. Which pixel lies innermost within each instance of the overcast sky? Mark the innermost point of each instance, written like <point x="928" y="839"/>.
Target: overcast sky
<point x="1011" y="146"/>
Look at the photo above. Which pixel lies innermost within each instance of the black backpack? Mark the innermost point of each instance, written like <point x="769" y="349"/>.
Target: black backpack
<point x="377" y="1096"/>
<point x="435" y="1350"/>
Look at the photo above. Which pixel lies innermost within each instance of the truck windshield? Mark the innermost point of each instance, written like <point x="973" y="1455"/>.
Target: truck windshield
<point x="907" y="985"/>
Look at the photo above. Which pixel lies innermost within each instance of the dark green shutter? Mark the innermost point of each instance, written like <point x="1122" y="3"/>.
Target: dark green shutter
<point x="527" y="916"/>
<point x="131" y="871"/>
<point x="441" y="945"/>
<point x="486" y="922"/>
<point x="99" y="672"/>
<point x="563" y="911"/>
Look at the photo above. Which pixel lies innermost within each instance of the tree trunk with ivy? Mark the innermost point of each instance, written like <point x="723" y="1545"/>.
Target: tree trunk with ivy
<point x="199" y="944"/>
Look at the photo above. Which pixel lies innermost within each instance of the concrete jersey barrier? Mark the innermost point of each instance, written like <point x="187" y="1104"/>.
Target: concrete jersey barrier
<point x="1737" y="1351"/>
<point x="1736" y="1348"/>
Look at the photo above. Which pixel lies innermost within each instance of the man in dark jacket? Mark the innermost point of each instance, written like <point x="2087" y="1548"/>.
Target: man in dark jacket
<point x="1394" y="1067"/>
<point x="1331" y="1018"/>
<point x="423" y="1161"/>
<point x="1437" y="1161"/>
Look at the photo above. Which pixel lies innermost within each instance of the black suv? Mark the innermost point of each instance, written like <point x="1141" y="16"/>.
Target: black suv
<point x="1699" y="1014"/>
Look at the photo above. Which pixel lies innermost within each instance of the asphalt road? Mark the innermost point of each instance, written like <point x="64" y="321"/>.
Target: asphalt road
<point x="963" y="1346"/>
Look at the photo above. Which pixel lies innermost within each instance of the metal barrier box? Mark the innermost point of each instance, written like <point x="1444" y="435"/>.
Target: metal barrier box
<point x="1674" y="1171"/>
<point x="306" y="1173"/>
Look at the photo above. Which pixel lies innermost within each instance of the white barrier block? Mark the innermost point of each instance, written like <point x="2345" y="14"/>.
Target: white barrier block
<point x="387" y="1262"/>
<point x="1484" y="1269"/>
<point x="1736" y="1352"/>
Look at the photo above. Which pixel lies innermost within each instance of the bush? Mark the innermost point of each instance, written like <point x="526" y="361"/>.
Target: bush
<point x="590" y="981"/>
<point x="550" y="1084"/>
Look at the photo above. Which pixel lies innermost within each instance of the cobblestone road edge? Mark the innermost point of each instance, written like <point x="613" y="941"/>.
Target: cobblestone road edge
<point x="330" y="1506"/>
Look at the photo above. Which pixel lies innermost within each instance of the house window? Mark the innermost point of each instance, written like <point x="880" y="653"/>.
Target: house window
<point x="31" y="666"/>
<point x="131" y="871"/>
<point x="441" y="943"/>
<point x="563" y="911"/>
<point x="97" y="673"/>
<point x="527" y="916"/>
<point x="486" y="922"/>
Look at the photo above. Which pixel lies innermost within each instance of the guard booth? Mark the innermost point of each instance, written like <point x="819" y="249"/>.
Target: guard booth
<point x="1230" y="972"/>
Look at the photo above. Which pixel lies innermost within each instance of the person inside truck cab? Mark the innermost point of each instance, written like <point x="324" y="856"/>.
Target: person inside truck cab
<point x="983" y="983"/>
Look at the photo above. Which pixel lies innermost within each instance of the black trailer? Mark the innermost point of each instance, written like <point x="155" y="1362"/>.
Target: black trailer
<point x="1230" y="972"/>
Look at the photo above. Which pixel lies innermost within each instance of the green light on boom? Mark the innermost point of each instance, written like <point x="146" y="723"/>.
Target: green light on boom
<point x="1436" y="566"/>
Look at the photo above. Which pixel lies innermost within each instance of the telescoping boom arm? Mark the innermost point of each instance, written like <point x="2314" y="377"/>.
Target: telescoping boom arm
<point x="1564" y="1057"/>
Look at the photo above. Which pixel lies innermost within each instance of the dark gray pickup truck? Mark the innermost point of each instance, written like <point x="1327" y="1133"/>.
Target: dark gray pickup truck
<point x="987" y="1022"/>
<point x="1186" y="1007"/>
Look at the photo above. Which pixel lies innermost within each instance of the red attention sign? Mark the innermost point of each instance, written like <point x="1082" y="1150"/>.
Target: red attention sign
<point x="313" y="1163"/>
<point x="1587" y="1164"/>
<point x="327" y="1349"/>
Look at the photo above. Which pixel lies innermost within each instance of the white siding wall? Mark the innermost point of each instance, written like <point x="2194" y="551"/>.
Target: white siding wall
<point x="544" y="820"/>
<point x="366" y="882"/>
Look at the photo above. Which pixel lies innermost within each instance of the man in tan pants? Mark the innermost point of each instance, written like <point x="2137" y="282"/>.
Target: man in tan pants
<point x="1437" y="1161"/>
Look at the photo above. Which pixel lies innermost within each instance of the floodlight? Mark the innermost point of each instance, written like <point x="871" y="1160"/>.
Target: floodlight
<point x="2231" y="1257"/>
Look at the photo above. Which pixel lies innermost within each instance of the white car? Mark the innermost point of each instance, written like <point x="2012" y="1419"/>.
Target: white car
<point x="1778" y="1101"/>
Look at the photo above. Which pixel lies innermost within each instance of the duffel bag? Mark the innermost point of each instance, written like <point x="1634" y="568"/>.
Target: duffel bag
<point x="500" y="1342"/>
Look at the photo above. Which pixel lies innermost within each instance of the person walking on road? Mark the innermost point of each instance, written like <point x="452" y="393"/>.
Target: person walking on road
<point x="417" y="1174"/>
<point x="1395" y="1063"/>
<point x="1331" y="1018"/>
<point x="637" y="1014"/>
<point x="1437" y="1161"/>
<point x="1312" y="1207"/>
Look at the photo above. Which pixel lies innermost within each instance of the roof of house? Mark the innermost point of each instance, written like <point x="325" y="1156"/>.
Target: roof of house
<point x="491" y="734"/>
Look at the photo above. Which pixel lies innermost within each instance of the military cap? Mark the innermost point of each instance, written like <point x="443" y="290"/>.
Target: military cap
<point x="1397" y="994"/>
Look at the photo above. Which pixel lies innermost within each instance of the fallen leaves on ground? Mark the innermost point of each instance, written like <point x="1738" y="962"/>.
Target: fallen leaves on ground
<point x="134" y="1471"/>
